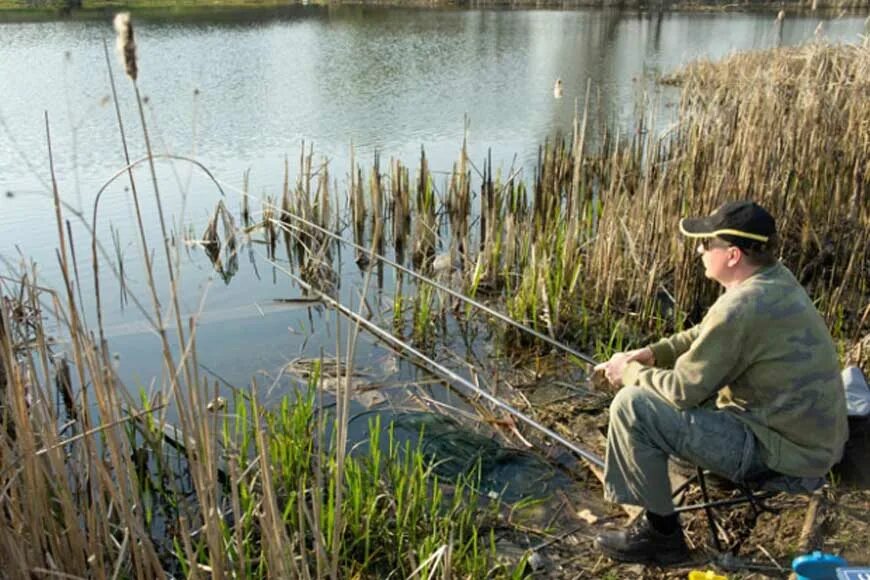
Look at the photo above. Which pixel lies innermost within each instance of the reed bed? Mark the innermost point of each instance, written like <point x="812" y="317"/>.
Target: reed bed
<point x="90" y="489"/>
<point x="590" y="251"/>
<point x="786" y="127"/>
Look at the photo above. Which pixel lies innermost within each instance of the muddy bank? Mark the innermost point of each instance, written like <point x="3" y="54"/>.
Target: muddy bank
<point x="766" y="549"/>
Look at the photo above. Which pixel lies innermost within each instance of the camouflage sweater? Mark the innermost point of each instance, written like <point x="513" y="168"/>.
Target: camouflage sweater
<point x="766" y="350"/>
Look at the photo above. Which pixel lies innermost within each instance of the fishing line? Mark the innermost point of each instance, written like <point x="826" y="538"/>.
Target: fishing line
<point x="468" y="300"/>
<point x="432" y="365"/>
<point x="458" y="295"/>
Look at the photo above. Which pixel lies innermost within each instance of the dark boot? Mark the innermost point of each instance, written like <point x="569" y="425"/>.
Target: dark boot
<point x="641" y="543"/>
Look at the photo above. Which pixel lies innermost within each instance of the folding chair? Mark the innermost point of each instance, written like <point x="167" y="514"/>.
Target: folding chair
<point x="755" y="493"/>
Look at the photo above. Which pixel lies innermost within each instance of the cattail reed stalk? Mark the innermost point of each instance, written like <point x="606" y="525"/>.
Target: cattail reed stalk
<point x="286" y="203"/>
<point x="459" y="204"/>
<point x="357" y="200"/>
<point x="125" y="44"/>
<point x="401" y="207"/>
<point x="64" y="387"/>
<point x="425" y="226"/>
<point x="324" y="199"/>
<point x="190" y="422"/>
<point x="127" y="47"/>
<point x="375" y="191"/>
<point x="268" y="211"/>
<point x="124" y="29"/>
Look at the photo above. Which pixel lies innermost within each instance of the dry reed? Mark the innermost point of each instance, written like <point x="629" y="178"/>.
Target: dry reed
<point x="592" y="246"/>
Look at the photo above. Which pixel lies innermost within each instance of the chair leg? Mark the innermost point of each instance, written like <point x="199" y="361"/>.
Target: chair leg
<point x="711" y="518"/>
<point x="758" y="507"/>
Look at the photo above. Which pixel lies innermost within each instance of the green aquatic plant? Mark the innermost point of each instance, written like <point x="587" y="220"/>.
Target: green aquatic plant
<point x="423" y="324"/>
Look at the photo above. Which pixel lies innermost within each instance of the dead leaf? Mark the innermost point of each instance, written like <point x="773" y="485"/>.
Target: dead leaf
<point x="587" y="516"/>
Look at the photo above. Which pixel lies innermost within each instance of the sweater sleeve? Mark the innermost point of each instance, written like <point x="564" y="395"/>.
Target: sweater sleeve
<point x="702" y="369"/>
<point x="667" y="350"/>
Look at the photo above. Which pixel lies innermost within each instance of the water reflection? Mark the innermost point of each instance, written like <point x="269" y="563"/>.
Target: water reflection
<point x="387" y="79"/>
<point x="241" y="90"/>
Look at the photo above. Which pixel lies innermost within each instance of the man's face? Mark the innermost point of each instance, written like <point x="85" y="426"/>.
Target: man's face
<point x="719" y="258"/>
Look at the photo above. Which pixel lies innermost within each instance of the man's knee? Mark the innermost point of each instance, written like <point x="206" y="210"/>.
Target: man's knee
<point x="629" y="402"/>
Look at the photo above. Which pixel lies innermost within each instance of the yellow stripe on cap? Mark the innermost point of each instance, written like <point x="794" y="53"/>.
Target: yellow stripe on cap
<point x="738" y="233"/>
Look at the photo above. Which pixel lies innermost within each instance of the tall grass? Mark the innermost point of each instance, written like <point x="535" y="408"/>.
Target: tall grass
<point x="251" y="493"/>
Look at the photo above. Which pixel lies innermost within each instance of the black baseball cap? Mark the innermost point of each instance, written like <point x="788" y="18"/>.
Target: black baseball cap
<point x="742" y="223"/>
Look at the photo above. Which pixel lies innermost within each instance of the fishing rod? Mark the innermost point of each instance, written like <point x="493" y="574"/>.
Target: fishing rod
<point x="467" y="299"/>
<point x="436" y="367"/>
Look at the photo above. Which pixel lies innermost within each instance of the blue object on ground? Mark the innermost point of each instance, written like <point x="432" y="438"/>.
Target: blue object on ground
<point x="853" y="573"/>
<point x="817" y="566"/>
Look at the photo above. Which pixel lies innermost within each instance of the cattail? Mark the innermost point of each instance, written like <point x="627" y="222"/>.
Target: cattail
<point x="125" y="44"/>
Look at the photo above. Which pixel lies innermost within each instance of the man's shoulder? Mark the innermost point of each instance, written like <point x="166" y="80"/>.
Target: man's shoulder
<point x="732" y="307"/>
<point x="773" y="292"/>
<point x="773" y="299"/>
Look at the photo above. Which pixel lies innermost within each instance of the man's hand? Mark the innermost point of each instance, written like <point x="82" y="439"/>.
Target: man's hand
<point x="615" y="367"/>
<point x="643" y="355"/>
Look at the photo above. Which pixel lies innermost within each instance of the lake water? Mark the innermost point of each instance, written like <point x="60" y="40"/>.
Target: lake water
<point x="241" y="91"/>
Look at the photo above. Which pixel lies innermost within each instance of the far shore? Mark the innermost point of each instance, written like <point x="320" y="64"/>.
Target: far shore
<point x="95" y="9"/>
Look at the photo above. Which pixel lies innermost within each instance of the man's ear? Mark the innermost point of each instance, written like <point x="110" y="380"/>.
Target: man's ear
<point x="735" y="256"/>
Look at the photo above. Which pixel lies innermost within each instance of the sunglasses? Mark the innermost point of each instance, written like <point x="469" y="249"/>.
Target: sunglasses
<point x="708" y="244"/>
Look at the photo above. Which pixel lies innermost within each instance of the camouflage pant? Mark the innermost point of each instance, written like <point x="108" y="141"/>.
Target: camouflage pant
<point x="645" y="430"/>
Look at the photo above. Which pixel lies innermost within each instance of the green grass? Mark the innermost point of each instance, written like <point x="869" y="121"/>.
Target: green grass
<point x="256" y="498"/>
<point x="395" y="513"/>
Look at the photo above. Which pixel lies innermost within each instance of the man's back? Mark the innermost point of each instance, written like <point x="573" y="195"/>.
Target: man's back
<point x="786" y="382"/>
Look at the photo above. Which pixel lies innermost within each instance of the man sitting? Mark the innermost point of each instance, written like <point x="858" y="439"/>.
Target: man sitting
<point x="763" y="347"/>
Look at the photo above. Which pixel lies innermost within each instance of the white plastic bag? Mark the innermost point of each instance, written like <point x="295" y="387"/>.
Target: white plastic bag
<point x="857" y="392"/>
